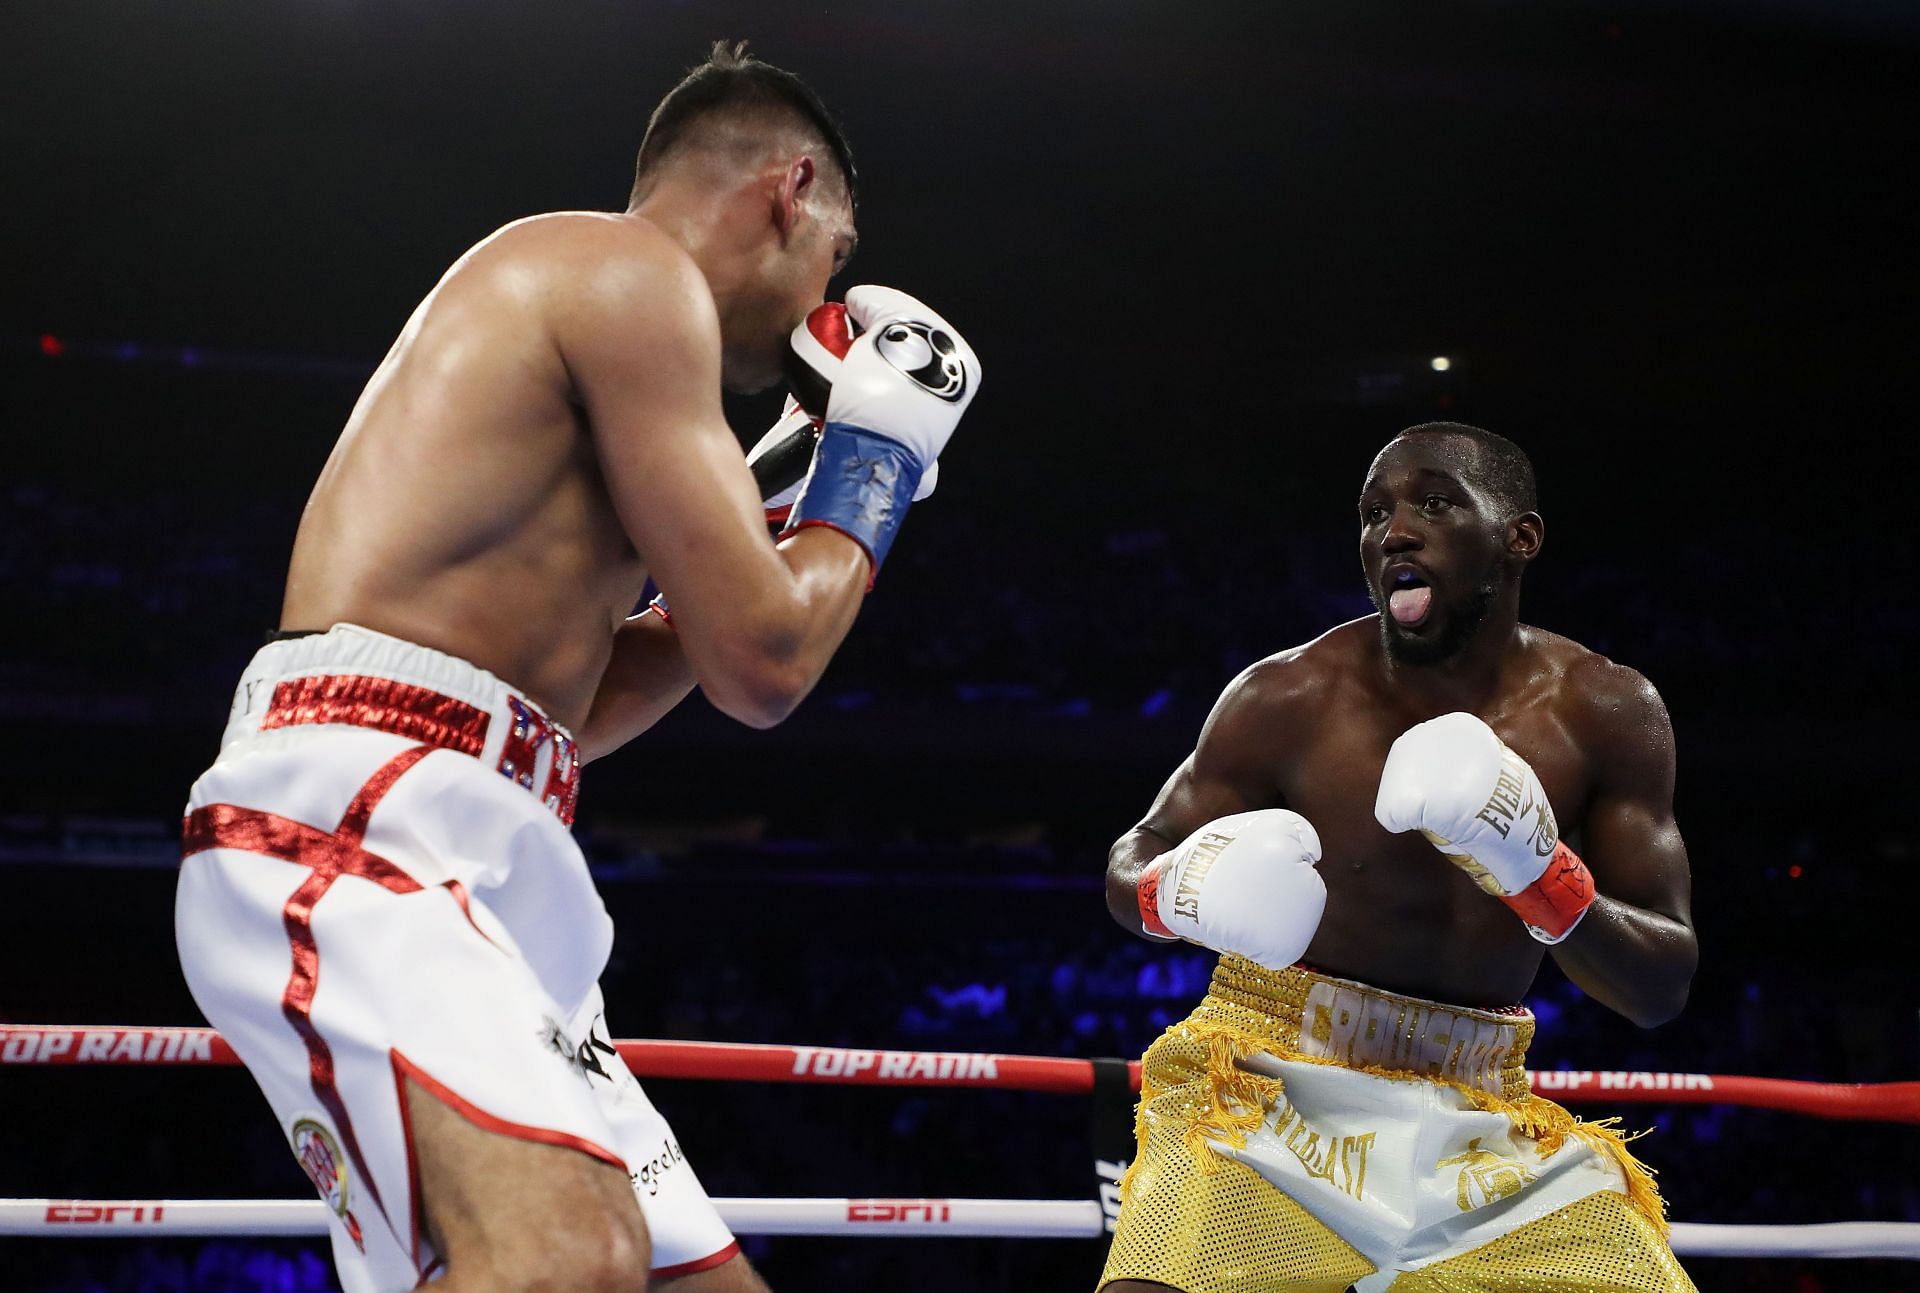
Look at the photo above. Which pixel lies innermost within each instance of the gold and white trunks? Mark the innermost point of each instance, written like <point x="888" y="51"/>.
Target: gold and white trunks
<point x="1305" y="1133"/>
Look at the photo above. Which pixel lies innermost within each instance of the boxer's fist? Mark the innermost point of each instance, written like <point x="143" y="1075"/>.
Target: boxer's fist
<point x="782" y="458"/>
<point x="815" y="351"/>
<point x="908" y="374"/>
<point x="1458" y="784"/>
<point x="893" y="402"/>
<point x="1243" y="884"/>
<point x="1480" y="804"/>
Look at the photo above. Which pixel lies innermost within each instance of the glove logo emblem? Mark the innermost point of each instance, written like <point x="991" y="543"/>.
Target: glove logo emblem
<point x="926" y="354"/>
<point x="1546" y="832"/>
<point x="1186" y="892"/>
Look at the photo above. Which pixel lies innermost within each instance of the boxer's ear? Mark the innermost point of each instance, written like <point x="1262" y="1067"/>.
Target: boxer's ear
<point x="791" y="192"/>
<point x="1526" y="533"/>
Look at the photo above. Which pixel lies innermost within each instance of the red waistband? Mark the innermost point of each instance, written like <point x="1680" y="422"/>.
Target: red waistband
<point x="423" y="715"/>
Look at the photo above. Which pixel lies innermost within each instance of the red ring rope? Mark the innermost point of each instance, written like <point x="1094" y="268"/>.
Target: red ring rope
<point x="743" y="1062"/>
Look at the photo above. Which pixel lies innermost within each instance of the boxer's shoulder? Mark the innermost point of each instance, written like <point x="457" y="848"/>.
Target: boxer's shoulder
<point x="1612" y="708"/>
<point x="1339" y="668"/>
<point x="1585" y="677"/>
<point x="589" y="259"/>
<point x="612" y="291"/>
<point x="1297" y="684"/>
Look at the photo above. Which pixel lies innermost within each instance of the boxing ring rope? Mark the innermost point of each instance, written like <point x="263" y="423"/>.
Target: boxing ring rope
<point x="753" y="1062"/>
<point x="983" y="1218"/>
<point x="912" y="1218"/>
<point x="207" y="1218"/>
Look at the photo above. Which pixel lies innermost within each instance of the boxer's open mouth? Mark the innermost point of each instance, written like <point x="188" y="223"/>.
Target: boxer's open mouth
<point x="1409" y="596"/>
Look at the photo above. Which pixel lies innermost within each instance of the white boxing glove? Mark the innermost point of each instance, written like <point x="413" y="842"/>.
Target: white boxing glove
<point x="1243" y="884"/>
<point x="1456" y="782"/>
<point x="897" y="396"/>
<point x="908" y="376"/>
<point x="783" y="457"/>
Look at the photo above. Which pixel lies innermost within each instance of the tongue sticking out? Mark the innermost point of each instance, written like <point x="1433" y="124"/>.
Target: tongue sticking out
<point x="1409" y="605"/>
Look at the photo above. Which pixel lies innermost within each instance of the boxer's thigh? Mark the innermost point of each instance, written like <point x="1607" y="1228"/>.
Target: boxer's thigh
<point x="1211" y="1225"/>
<point x="514" y="1169"/>
<point x="411" y="996"/>
<point x="1599" y="1244"/>
<point x="508" y="1212"/>
<point x="688" y="1236"/>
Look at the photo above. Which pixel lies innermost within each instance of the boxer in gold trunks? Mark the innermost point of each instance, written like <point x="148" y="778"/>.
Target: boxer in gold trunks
<point x="1374" y="833"/>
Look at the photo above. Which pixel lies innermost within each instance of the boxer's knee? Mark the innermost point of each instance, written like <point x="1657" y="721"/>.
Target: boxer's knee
<point x="601" y="1253"/>
<point x="575" y="1248"/>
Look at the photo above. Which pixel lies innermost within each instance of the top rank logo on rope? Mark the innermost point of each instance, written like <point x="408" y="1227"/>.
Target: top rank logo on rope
<point x="905" y="1066"/>
<point x="763" y="1062"/>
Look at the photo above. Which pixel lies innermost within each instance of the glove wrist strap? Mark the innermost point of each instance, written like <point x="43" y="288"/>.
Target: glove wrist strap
<point x="1147" y="892"/>
<point x="1552" y="905"/>
<point x="861" y="485"/>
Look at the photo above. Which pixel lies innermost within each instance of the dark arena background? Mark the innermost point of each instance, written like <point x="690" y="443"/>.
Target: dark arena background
<point x="1213" y="255"/>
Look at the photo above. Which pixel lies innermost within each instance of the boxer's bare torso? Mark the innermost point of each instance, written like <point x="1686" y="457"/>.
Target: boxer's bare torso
<point x="464" y="507"/>
<point x="1447" y="529"/>
<point x="547" y="433"/>
<point x="1309" y="729"/>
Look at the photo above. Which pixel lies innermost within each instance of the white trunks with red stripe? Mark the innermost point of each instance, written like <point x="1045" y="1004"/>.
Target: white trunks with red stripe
<point x="379" y="885"/>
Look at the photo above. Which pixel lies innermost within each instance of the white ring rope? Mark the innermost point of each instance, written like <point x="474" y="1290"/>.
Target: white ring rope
<point x="949" y="1218"/>
<point x="210" y="1218"/>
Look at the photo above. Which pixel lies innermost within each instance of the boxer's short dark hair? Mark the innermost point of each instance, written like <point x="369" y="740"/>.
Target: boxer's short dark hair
<point x="1505" y="470"/>
<point x="731" y="80"/>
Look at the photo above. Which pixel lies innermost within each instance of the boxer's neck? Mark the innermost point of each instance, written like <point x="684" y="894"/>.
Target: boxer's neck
<point x="723" y="228"/>
<point x="1470" y="677"/>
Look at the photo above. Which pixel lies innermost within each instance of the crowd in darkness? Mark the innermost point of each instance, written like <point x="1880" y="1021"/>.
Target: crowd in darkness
<point x="1126" y="614"/>
<point x="839" y="928"/>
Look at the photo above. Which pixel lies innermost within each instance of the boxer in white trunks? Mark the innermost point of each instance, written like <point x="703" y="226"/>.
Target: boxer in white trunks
<point x="381" y="906"/>
<point x="1371" y="833"/>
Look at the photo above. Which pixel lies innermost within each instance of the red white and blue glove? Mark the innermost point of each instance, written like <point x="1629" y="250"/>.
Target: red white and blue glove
<point x="782" y="458"/>
<point x="899" y="392"/>
<point x="1480" y="804"/>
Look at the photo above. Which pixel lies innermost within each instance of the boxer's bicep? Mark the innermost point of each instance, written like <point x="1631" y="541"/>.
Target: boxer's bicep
<point x="1233" y="767"/>
<point x="641" y="345"/>
<point x="1630" y="839"/>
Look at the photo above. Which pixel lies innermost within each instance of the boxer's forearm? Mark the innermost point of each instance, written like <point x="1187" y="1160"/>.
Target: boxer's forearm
<point x="1636" y="963"/>
<point x="646" y="677"/>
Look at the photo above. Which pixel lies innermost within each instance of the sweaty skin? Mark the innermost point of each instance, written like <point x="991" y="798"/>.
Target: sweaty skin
<point x="547" y="432"/>
<point x="464" y="508"/>
<point x="1309" y="729"/>
<point x="554" y="400"/>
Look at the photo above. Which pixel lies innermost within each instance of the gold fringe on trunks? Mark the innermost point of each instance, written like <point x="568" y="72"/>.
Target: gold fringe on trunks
<point x="1237" y="1100"/>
